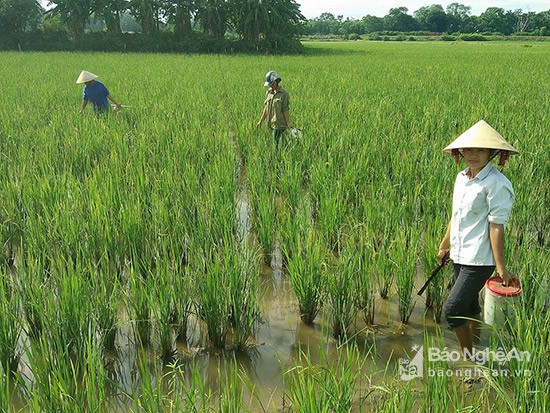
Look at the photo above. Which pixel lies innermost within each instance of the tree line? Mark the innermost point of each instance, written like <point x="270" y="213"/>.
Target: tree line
<point x="456" y="18"/>
<point x="218" y="20"/>
<point x="216" y="25"/>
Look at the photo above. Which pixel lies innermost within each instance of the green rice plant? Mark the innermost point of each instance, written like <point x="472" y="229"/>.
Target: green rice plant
<point x="242" y="274"/>
<point x="196" y="395"/>
<point x="69" y="317"/>
<point x="523" y="379"/>
<point x="105" y="297"/>
<point x="293" y="224"/>
<point x="213" y="296"/>
<point x="174" y="387"/>
<point x="401" y="400"/>
<point x="385" y="271"/>
<point x="291" y="182"/>
<point x="12" y="213"/>
<point x="61" y="383"/>
<point x="149" y="394"/>
<point x="183" y="296"/>
<point x="5" y="390"/>
<point x="341" y="283"/>
<point x="323" y="387"/>
<point x="306" y="261"/>
<point x="99" y="219"/>
<point x="329" y="197"/>
<point x="162" y="306"/>
<point x="380" y="229"/>
<point x="10" y="325"/>
<point x="133" y="216"/>
<point x="530" y="218"/>
<point x="49" y="361"/>
<point x="180" y="387"/>
<point x="138" y="303"/>
<point x="94" y="379"/>
<point x="360" y="252"/>
<point x="263" y="205"/>
<point x="261" y="176"/>
<point x="406" y="259"/>
<point x="436" y="291"/>
<point x="531" y="264"/>
<point x="217" y="202"/>
<point x="231" y="389"/>
<point x="440" y="380"/>
<point x="34" y="287"/>
<point x="8" y="239"/>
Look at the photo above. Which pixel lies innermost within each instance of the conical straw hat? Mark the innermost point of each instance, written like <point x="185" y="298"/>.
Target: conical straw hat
<point x="85" y="76"/>
<point x="481" y="135"/>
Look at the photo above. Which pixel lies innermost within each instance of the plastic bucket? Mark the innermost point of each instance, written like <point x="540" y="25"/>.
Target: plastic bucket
<point x="499" y="300"/>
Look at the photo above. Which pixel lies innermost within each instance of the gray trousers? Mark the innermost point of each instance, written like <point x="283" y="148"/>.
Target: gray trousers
<point x="463" y="301"/>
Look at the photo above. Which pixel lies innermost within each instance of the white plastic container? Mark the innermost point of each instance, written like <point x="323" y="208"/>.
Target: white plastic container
<point x="499" y="300"/>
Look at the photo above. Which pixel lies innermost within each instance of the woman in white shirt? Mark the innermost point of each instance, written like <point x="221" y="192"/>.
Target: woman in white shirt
<point x="482" y="202"/>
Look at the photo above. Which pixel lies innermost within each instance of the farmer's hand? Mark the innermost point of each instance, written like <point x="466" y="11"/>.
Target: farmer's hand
<point x="506" y="276"/>
<point x="442" y="256"/>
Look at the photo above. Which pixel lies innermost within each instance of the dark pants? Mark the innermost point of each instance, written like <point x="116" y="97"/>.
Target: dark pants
<point x="463" y="300"/>
<point x="277" y="135"/>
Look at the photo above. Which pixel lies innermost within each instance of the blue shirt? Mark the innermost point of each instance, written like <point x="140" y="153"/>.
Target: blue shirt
<point x="477" y="202"/>
<point x="96" y="93"/>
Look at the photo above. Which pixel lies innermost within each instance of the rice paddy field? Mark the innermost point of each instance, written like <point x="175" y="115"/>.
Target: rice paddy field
<point x="166" y="258"/>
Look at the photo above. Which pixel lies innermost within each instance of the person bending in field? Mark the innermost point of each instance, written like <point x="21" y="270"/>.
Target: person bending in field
<point x="482" y="202"/>
<point x="276" y="104"/>
<point x="96" y="93"/>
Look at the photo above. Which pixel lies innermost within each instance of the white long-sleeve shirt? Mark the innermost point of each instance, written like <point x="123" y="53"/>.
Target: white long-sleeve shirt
<point x="486" y="198"/>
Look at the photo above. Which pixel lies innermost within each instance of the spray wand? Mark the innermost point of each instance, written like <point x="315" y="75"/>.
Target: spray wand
<point x="444" y="261"/>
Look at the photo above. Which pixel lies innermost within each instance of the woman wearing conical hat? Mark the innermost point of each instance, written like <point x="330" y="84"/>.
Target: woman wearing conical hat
<point x="482" y="202"/>
<point x="95" y="92"/>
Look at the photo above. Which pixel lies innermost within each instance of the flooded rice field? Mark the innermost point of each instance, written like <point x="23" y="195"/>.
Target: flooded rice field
<point x="169" y="259"/>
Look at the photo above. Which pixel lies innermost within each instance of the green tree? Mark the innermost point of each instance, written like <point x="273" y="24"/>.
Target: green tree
<point x="458" y="17"/>
<point x="350" y="26"/>
<point x="432" y="18"/>
<point x="372" y="24"/>
<point x="16" y="16"/>
<point x="398" y="20"/>
<point x="147" y="14"/>
<point x="326" y="23"/>
<point x="524" y="21"/>
<point x="110" y="11"/>
<point x="180" y="13"/>
<point x="128" y="23"/>
<point x="265" y="19"/>
<point x="73" y="13"/>
<point x="541" y="22"/>
<point x="213" y="16"/>
<point x="495" y="19"/>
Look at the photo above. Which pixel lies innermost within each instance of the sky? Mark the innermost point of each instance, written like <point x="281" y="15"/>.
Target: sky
<point x="360" y="8"/>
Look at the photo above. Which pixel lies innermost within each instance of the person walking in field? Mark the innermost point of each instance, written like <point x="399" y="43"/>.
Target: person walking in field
<point x="474" y="240"/>
<point x="276" y="107"/>
<point x="95" y="92"/>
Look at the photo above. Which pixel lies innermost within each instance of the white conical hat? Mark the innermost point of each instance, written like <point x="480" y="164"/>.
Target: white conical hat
<point x="85" y="76"/>
<point x="481" y="135"/>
